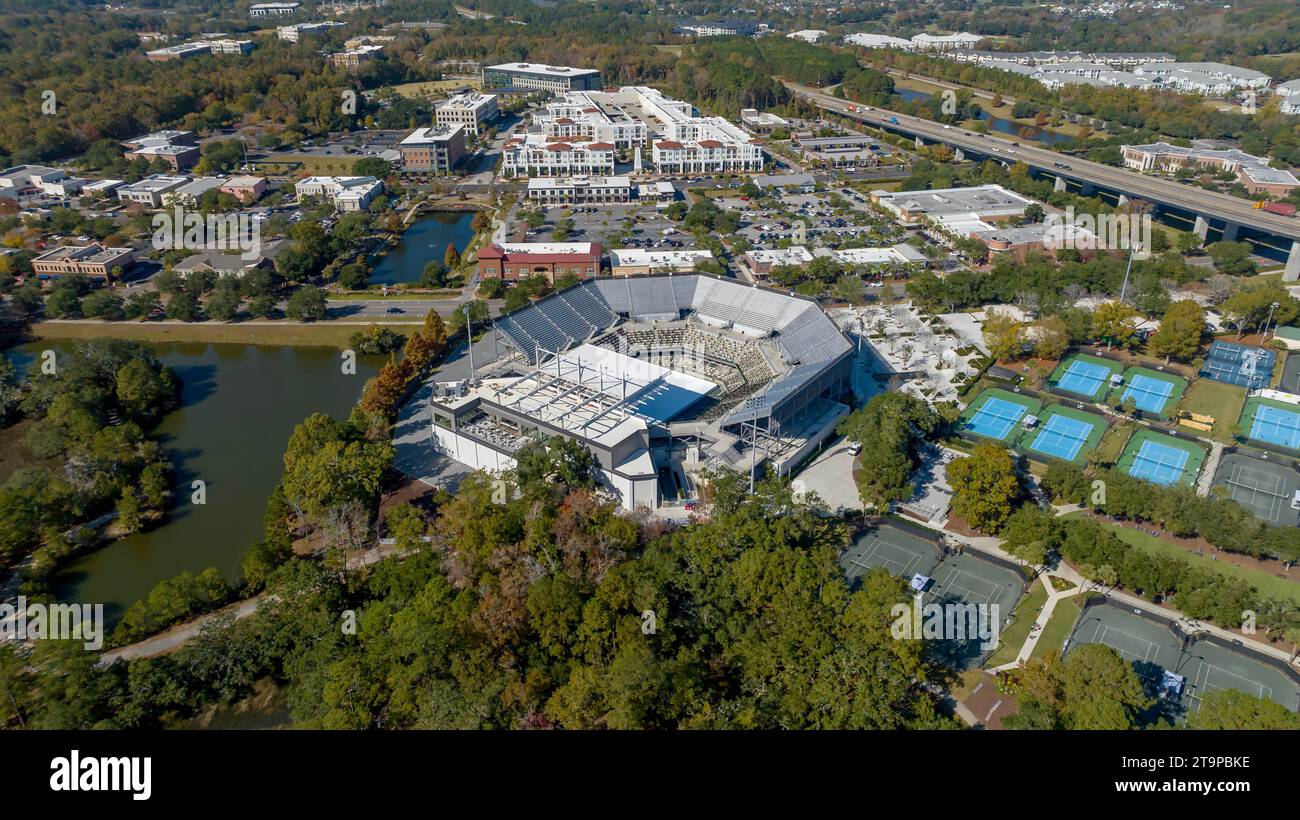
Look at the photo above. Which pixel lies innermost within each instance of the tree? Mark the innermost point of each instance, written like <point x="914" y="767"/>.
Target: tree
<point x="306" y="304"/>
<point x="891" y="427"/>
<point x="1004" y="335"/>
<point x="1051" y="337"/>
<point x="1113" y="322"/>
<point x="103" y="304"/>
<point x="985" y="487"/>
<point x="129" y="519"/>
<point x="434" y="274"/>
<point x="451" y="257"/>
<point x="223" y="304"/>
<point x="63" y="303"/>
<point x="1094" y="688"/>
<point x="1234" y="709"/>
<point x="184" y="307"/>
<point x="1180" y="332"/>
<point x="1030" y="534"/>
<point x="1232" y="258"/>
<point x="850" y="288"/>
<point x="1251" y="306"/>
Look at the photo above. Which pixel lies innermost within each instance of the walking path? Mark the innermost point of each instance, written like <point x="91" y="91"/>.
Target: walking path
<point x="1044" y="615"/>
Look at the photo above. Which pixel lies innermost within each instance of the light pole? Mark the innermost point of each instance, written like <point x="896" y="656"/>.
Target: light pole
<point x="1271" y="308"/>
<point x="469" y="342"/>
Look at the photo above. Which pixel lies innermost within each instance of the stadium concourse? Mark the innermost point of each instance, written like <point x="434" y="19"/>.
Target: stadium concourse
<point x="659" y="376"/>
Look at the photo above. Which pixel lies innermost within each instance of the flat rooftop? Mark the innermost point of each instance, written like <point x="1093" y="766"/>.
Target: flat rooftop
<point x="547" y="70"/>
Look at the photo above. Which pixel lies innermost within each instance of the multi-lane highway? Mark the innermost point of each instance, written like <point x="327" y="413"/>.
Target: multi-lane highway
<point x="1217" y="207"/>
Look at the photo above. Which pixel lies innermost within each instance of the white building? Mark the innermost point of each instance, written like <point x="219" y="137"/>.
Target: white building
<point x="273" y="9"/>
<point x="294" y="33"/>
<point x="980" y="202"/>
<point x="1289" y="91"/>
<point x="1212" y="79"/>
<point x="553" y="78"/>
<point x="537" y="155"/>
<point x="151" y="190"/>
<point x="644" y="262"/>
<point x="347" y="193"/>
<point x="808" y="35"/>
<point x="597" y="116"/>
<point x="878" y="41"/>
<point x="959" y="41"/>
<point x="470" y="109"/>
<point x="580" y="190"/>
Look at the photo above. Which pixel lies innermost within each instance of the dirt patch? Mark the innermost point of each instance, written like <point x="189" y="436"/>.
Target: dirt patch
<point x="988" y="704"/>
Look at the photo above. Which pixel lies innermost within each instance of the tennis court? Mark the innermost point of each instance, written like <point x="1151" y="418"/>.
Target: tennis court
<point x="1273" y="423"/>
<point x="1153" y="648"/>
<point x="891" y="548"/>
<point x="1153" y="392"/>
<point x="1162" y="459"/>
<point x="1261" y="486"/>
<point x="1086" y="376"/>
<point x="995" y="413"/>
<point x="1242" y="365"/>
<point x="970" y="579"/>
<point x="1064" y="437"/>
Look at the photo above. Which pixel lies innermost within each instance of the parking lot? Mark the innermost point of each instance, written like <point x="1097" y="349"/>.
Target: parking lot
<point x="615" y="226"/>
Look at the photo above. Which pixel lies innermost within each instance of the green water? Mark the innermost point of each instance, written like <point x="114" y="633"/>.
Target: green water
<point x="240" y="404"/>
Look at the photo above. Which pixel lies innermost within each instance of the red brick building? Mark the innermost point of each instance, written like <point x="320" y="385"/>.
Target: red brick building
<point x="513" y="261"/>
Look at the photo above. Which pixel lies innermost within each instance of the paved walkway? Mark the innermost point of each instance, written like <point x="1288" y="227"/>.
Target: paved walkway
<point x="1054" y="596"/>
<point x="1206" y="479"/>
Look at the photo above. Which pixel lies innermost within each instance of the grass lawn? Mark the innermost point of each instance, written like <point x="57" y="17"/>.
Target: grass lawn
<point x="375" y="295"/>
<point x="435" y="87"/>
<point x="1058" y="626"/>
<point x="1218" y="399"/>
<point x="1265" y="582"/>
<point x="1013" y="637"/>
<point x="318" y="334"/>
<point x="1112" y="444"/>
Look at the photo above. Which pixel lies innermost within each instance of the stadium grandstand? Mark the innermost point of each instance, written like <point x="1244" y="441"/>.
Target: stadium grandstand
<point x="660" y="377"/>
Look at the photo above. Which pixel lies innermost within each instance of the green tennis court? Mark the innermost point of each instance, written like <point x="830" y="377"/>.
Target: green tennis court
<point x="1153" y="392"/>
<point x="1162" y="459"/>
<point x="1271" y="422"/>
<point x="994" y="414"/>
<point x="1063" y="433"/>
<point x="1083" y="375"/>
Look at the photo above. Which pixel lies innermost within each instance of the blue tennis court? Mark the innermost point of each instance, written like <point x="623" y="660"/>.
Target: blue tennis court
<point x="1242" y="365"/>
<point x="1062" y="437"/>
<point x="1084" y="378"/>
<point x="1147" y="393"/>
<point x="1158" y="463"/>
<point x="995" y="418"/>
<point x="1274" y="425"/>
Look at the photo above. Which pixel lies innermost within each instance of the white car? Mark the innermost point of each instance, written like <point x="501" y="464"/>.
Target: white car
<point x="947" y="128"/>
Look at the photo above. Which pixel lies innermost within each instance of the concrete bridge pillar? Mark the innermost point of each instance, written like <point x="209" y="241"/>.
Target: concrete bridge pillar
<point x="1291" y="273"/>
<point x="1060" y="184"/>
<point x="1202" y="227"/>
<point x="919" y="143"/>
<point x="958" y="155"/>
<point x="1229" y="232"/>
<point x="1123" y="200"/>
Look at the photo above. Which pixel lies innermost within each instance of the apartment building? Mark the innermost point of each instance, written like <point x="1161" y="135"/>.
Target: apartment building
<point x="347" y="193"/>
<point x="540" y="77"/>
<point x="1251" y="171"/>
<point x="513" y="261"/>
<point x="536" y="155"/>
<point x="91" y="260"/>
<point x="273" y="9"/>
<point x="1289" y="91"/>
<point x="593" y="116"/>
<point x="151" y="190"/>
<point x="436" y="149"/>
<point x="718" y="28"/>
<point x="706" y="145"/>
<point x="176" y="148"/>
<point x="580" y="190"/>
<point x="959" y="41"/>
<point x="867" y="40"/>
<point x="1212" y="79"/>
<point x="471" y="110"/>
<point x="297" y="31"/>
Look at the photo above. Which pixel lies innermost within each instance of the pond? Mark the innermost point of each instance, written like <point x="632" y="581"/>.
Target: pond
<point x="998" y="124"/>
<point x="239" y="405"/>
<point x="424" y="241"/>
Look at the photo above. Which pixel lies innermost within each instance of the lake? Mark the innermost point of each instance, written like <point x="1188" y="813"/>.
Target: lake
<point x="998" y="124"/>
<point x="424" y="241"/>
<point x="240" y="404"/>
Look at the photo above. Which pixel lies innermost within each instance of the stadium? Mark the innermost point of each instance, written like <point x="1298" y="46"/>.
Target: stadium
<point x="659" y="376"/>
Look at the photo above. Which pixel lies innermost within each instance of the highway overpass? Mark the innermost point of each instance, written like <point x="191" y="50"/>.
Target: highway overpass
<point x="1235" y="218"/>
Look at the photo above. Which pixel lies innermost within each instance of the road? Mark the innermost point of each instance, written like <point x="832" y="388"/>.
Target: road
<point x="1208" y="204"/>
